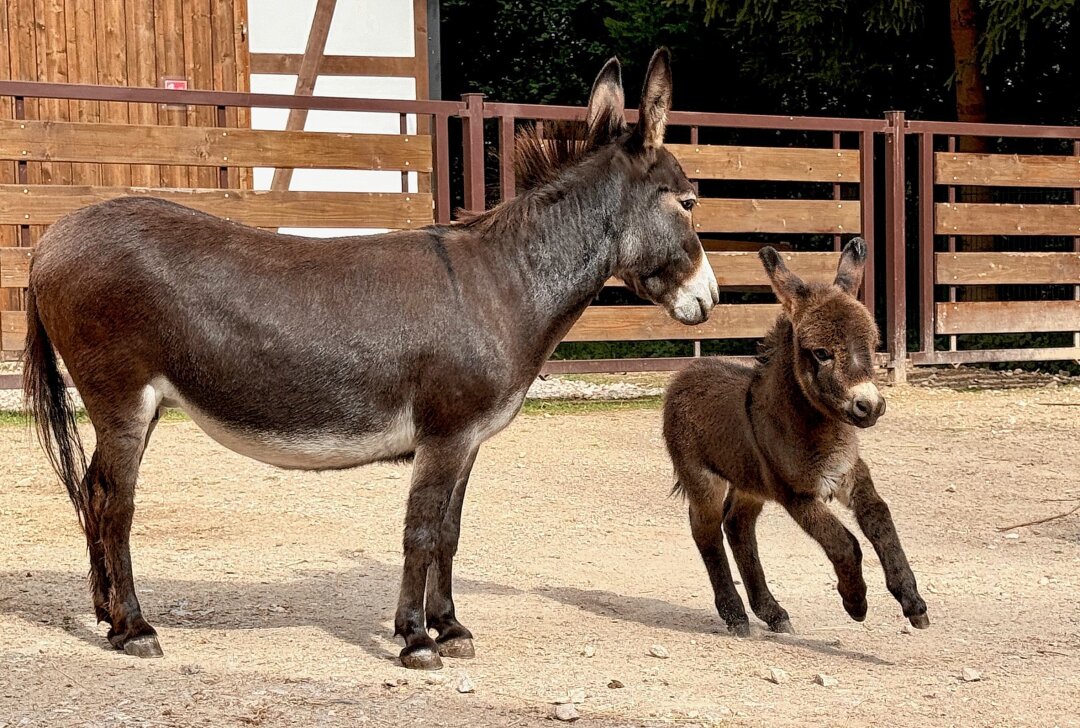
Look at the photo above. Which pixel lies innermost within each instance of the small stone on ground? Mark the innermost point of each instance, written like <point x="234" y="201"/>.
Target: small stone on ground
<point x="566" y="712"/>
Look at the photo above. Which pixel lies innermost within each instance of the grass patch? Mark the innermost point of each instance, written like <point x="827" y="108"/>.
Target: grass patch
<point x="579" y="406"/>
<point x="21" y="419"/>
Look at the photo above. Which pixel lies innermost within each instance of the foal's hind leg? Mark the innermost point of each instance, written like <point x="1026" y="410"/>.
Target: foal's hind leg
<point x="706" y="524"/>
<point x="741" y="512"/>
<point x="876" y="522"/>
<point x="454" y="639"/>
<point x="440" y="463"/>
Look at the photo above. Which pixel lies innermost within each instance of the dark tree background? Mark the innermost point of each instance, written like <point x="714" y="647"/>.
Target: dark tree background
<point x="996" y="60"/>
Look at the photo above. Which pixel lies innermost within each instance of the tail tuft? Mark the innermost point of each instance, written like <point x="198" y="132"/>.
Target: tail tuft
<point x="52" y="409"/>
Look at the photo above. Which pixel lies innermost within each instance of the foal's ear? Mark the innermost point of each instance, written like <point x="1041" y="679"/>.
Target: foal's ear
<point x="849" y="273"/>
<point x="787" y="286"/>
<point x="605" y="118"/>
<point x="655" y="101"/>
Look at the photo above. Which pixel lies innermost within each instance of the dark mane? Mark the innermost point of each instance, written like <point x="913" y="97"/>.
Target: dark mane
<point x="772" y="342"/>
<point x="541" y="153"/>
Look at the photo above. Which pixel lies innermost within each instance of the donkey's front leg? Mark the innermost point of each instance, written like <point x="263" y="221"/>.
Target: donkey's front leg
<point x="840" y="546"/>
<point x="876" y="522"/>
<point x="454" y="639"/>
<point x="439" y="465"/>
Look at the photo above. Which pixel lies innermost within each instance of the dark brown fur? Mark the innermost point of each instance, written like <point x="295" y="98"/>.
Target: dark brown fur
<point x="333" y="353"/>
<point x="784" y="430"/>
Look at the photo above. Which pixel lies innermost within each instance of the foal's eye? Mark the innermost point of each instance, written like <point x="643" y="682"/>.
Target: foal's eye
<point x="688" y="203"/>
<point x="822" y="355"/>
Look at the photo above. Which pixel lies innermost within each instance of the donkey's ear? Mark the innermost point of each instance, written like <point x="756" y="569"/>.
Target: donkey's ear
<point x="605" y="118"/>
<point x="787" y="286"/>
<point x="849" y="273"/>
<point x="655" y="101"/>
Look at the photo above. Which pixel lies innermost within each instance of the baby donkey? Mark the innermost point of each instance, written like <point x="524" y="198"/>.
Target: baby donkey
<point x="785" y="430"/>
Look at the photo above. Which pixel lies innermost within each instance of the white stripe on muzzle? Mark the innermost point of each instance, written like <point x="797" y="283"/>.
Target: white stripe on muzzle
<point x="694" y="299"/>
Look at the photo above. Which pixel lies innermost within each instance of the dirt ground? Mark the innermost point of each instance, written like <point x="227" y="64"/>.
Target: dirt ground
<point x="274" y="591"/>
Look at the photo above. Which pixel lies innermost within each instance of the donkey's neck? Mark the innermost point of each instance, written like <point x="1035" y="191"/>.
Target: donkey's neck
<point x="561" y="243"/>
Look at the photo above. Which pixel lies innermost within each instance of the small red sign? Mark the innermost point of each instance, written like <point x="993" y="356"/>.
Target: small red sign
<point x="175" y="84"/>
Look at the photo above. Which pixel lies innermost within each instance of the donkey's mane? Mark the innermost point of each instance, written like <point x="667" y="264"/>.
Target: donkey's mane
<point x="773" y="340"/>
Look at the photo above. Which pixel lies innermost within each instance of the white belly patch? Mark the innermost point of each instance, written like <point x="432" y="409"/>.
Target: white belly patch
<point x="315" y="452"/>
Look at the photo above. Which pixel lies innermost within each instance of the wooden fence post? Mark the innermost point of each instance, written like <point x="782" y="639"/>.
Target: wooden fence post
<point x="895" y="243"/>
<point x="472" y="139"/>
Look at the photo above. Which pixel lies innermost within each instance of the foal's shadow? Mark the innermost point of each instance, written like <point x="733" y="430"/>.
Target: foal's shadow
<point x="353" y="605"/>
<point x="658" y="614"/>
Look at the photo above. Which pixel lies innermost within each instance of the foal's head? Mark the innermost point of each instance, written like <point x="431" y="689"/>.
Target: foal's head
<point x="833" y="335"/>
<point x="659" y="255"/>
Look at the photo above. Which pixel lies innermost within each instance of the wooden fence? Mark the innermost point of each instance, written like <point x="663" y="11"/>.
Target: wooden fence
<point x="817" y="185"/>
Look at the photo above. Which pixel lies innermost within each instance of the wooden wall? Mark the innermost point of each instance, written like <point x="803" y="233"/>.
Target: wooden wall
<point x="119" y="43"/>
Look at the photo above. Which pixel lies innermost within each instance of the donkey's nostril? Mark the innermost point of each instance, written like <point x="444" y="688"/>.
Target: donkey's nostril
<point x="862" y="407"/>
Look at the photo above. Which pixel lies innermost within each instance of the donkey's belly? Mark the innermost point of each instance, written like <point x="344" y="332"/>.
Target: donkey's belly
<point x="299" y="451"/>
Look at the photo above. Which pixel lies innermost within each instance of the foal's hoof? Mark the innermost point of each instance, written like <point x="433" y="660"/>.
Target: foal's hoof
<point x="144" y="646"/>
<point x="420" y="657"/>
<point x="919" y="621"/>
<point x="856" y="610"/>
<point x="783" y="626"/>
<point x="739" y="629"/>
<point x="460" y="647"/>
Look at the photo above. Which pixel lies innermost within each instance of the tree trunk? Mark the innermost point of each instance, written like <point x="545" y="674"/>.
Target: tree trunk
<point x="971" y="106"/>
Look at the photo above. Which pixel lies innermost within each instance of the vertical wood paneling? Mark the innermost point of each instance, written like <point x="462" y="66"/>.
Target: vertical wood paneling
<point x="112" y="71"/>
<point x="169" y="38"/>
<point x="200" y="50"/>
<point x="142" y="71"/>
<point x="8" y="233"/>
<point x="83" y="69"/>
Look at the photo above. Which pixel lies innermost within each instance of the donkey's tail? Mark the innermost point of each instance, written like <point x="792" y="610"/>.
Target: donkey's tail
<point x="51" y="407"/>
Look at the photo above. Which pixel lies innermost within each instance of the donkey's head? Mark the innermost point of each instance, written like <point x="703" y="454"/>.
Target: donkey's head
<point x="660" y="256"/>
<point x="834" y="336"/>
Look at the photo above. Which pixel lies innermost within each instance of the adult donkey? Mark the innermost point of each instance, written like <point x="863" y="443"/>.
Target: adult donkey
<point x="335" y="353"/>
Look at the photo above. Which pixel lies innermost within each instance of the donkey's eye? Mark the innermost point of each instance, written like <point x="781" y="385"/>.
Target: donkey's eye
<point x="688" y="203"/>
<point x="822" y="355"/>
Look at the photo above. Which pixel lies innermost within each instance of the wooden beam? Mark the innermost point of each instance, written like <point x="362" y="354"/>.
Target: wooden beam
<point x="211" y="146"/>
<point x="44" y="205"/>
<point x="638" y="323"/>
<point x="289" y="64"/>
<point x="744" y="269"/>
<point x="777" y="216"/>
<point x="958" y="218"/>
<point x="1006" y="317"/>
<point x="12" y="330"/>
<point x="14" y="267"/>
<point x="1006" y="170"/>
<point x="307" y="74"/>
<point x="767" y="163"/>
<point x="965" y="269"/>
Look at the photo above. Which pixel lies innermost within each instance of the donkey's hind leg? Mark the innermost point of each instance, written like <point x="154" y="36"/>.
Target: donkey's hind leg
<point x="876" y="522"/>
<point x="706" y="496"/>
<point x="454" y="639"/>
<point x="741" y="512"/>
<point x="122" y="433"/>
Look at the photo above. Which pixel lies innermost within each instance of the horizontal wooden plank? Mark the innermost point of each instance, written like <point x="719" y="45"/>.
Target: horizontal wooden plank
<point x="12" y="330"/>
<point x="335" y="65"/>
<point x="745" y="269"/>
<point x="962" y="269"/>
<point x="777" y="216"/>
<point x="1006" y="170"/>
<point x="778" y="164"/>
<point x="45" y="204"/>
<point x="637" y="323"/>
<point x="210" y="146"/>
<point x="1005" y="219"/>
<point x="14" y="267"/>
<point x="1006" y="317"/>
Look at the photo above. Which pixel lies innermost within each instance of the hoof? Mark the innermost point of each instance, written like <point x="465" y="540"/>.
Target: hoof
<point x="739" y="629"/>
<point x="460" y="647"/>
<point x="782" y="626"/>
<point x="143" y="646"/>
<point x="856" y="610"/>
<point x="919" y="621"/>
<point x="420" y="657"/>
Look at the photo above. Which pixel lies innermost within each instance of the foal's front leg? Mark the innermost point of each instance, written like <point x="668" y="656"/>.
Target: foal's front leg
<point x="876" y="522"/>
<point x="439" y="465"/>
<point x="840" y="546"/>
<point x="454" y="639"/>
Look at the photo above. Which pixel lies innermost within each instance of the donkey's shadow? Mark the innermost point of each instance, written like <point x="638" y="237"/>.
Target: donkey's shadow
<point x="353" y="605"/>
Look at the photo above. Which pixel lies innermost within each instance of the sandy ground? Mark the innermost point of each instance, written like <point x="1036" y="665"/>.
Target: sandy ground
<point x="274" y="591"/>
